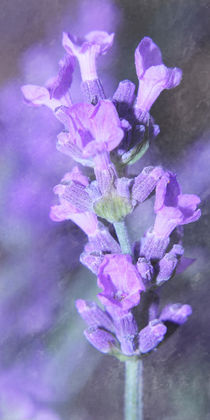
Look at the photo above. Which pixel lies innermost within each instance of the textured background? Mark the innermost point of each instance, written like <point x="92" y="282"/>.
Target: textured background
<point x="44" y="358"/>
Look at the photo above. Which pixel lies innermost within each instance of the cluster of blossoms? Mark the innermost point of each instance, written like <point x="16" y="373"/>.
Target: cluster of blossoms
<point x="108" y="135"/>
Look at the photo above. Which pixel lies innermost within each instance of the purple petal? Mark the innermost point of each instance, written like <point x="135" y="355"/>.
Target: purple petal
<point x="102" y="340"/>
<point x="36" y="95"/>
<point x="106" y="126"/>
<point x="101" y="38"/>
<point x="176" y="313"/>
<point x="153" y="75"/>
<point x="167" y="191"/>
<point x="93" y="315"/>
<point x="63" y="81"/>
<point x="147" y="54"/>
<point x="86" y="50"/>
<point x="183" y="264"/>
<point x="121" y="283"/>
<point x="151" y="336"/>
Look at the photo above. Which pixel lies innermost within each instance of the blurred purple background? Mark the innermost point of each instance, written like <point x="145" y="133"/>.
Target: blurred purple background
<point x="47" y="369"/>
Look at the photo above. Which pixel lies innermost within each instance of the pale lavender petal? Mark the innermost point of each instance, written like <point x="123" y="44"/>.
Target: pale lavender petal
<point x="176" y="313"/>
<point x="39" y="95"/>
<point x="166" y="221"/>
<point x="151" y="336"/>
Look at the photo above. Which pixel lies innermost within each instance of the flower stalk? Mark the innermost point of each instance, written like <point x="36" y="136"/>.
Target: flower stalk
<point x="122" y="235"/>
<point x="134" y="389"/>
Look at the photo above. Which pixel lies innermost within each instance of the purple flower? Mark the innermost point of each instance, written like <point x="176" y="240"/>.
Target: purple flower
<point x="56" y="92"/>
<point x="121" y="284"/>
<point x="173" y="208"/>
<point x="74" y="202"/>
<point x="92" y="129"/>
<point x="176" y="312"/>
<point x="94" y="316"/>
<point x="123" y="329"/>
<point x="98" y="245"/>
<point x="101" y="339"/>
<point x="167" y="265"/>
<point x="87" y="49"/>
<point x="151" y="335"/>
<point x="153" y="75"/>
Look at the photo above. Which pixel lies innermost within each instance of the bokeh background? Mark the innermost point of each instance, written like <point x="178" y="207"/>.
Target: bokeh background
<point x="47" y="369"/>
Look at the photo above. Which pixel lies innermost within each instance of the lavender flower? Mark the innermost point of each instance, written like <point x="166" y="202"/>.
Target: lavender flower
<point x="151" y="336"/>
<point x="168" y="264"/>
<point x="153" y="75"/>
<point x="98" y="245"/>
<point x="56" y="92"/>
<point x="172" y="209"/>
<point x="92" y="131"/>
<point x="87" y="49"/>
<point x="121" y="284"/>
<point x="78" y="209"/>
<point x="176" y="313"/>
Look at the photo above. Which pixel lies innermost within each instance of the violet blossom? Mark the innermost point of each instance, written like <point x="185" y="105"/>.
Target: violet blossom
<point x="91" y="131"/>
<point x="87" y="49"/>
<point x="153" y="75"/>
<point x="172" y="209"/>
<point x="121" y="284"/>
<point x="79" y="212"/>
<point x="56" y="91"/>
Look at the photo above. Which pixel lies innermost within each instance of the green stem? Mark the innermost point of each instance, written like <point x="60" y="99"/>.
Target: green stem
<point x="134" y="390"/>
<point x="122" y="235"/>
